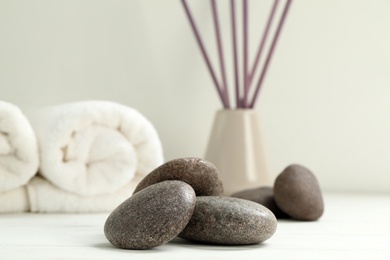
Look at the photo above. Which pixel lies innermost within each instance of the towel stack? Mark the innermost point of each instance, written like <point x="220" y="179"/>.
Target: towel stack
<point x="91" y="156"/>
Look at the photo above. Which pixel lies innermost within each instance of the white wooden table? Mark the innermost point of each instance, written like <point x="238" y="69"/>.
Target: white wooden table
<point x="354" y="226"/>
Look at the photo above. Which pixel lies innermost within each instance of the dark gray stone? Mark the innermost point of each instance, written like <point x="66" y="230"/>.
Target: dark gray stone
<point x="202" y="175"/>
<point x="298" y="193"/>
<point x="151" y="217"/>
<point x="231" y="221"/>
<point x="263" y="196"/>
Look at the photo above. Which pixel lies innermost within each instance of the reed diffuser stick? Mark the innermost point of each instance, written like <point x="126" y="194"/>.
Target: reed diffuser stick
<point x="270" y="52"/>
<point x="235" y="56"/>
<point x="263" y="41"/>
<point x="224" y="87"/>
<point x="245" y="51"/>
<point x="204" y="53"/>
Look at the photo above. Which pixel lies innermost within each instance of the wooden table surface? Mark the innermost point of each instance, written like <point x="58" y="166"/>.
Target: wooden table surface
<point x="354" y="226"/>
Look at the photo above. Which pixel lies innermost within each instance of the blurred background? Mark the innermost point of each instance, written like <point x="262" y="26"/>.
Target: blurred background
<point x="325" y="102"/>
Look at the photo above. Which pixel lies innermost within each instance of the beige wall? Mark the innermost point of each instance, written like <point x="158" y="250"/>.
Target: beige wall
<point x="325" y="102"/>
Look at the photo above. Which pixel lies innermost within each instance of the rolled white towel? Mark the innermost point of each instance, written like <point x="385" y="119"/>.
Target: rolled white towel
<point x="45" y="197"/>
<point x="14" y="201"/>
<point x="95" y="147"/>
<point x="18" y="148"/>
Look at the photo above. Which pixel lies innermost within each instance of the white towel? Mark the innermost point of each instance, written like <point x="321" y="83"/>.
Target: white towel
<point x="92" y="148"/>
<point x="14" y="201"/>
<point x="18" y="152"/>
<point x="45" y="197"/>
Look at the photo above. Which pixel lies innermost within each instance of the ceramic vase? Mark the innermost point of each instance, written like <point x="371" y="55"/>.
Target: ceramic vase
<point x="237" y="149"/>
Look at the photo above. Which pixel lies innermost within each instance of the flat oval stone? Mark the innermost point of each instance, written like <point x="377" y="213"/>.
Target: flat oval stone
<point x="151" y="217"/>
<point x="230" y="221"/>
<point x="263" y="196"/>
<point x="298" y="193"/>
<point x="202" y="175"/>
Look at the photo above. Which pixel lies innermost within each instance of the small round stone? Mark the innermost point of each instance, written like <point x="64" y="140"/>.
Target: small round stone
<point x="263" y="196"/>
<point x="202" y="175"/>
<point x="151" y="217"/>
<point x="298" y="193"/>
<point x="229" y="221"/>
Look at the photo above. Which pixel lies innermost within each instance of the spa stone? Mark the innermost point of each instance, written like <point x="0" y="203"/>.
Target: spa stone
<point x="229" y="221"/>
<point x="151" y="217"/>
<point x="202" y="175"/>
<point x="298" y="193"/>
<point x="263" y="196"/>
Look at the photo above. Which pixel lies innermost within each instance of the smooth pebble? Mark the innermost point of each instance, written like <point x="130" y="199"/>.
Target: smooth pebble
<point x="264" y="196"/>
<point x="298" y="193"/>
<point x="202" y="175"/>
<point x="229" y="221"/>
<point x="152" y="217"/>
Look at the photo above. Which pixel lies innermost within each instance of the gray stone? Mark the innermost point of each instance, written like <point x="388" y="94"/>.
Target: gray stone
<point x="263" y="196"/>
<point x="151" y="217"/>
<point x="230" y="221"/>
<point x="298" y="193"/>
<point x="202" y="175"/>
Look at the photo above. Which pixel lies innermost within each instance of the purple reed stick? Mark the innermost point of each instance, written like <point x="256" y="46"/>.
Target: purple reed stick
<point x="220" y="52"/>
<point x="263" y="40"/>
<point x="270" y="52"/>
<point x="235" y="57"/>
<point x="245" y="46"/>
<point x="204" y="53"/>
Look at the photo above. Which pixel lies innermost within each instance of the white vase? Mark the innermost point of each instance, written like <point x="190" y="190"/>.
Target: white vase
<point x="236" y="148"/>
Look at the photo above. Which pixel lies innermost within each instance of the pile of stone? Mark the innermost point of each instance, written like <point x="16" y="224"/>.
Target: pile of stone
<point x="184" y="198"/>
